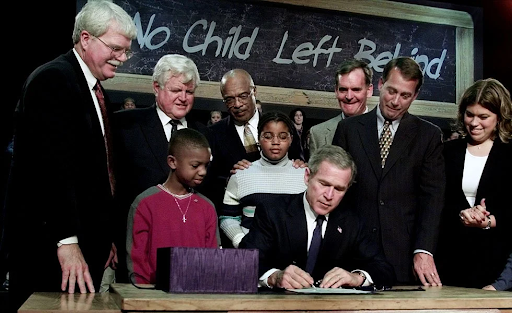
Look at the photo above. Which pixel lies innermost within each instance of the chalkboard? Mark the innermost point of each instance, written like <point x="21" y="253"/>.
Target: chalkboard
<point x="298" y="47"/>
<point x="262" y="38"/>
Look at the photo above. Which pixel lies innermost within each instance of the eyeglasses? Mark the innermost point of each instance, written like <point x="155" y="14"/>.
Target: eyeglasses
<point x="116" y="51"/>
<point x="231" y="101"/>
<point x="268" y="136"/>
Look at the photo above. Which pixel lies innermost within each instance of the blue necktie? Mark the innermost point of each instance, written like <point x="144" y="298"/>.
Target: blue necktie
<point x="316" y="243"/>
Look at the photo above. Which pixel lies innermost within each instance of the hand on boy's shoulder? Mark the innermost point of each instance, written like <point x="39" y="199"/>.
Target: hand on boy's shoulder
<point x="240" y="165"/>
<point x="298" y="163"/>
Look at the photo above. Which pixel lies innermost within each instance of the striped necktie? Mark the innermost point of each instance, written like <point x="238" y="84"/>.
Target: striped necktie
<point x="249" y="141"/>
<point x="385" y="141"/>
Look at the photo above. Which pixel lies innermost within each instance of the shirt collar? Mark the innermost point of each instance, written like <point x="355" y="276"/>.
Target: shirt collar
<point x="164" y="118"/>
<point x="380" y="120"/>
<point x="284" y="161"/>
<point x="91" y="80"/>
<point x="310" y="214"/>
<point x="253" y="121"/>
<point x="344" y="117"/>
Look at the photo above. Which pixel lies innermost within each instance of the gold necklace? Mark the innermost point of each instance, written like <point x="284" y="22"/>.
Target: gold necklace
<point x="184" y="215"/>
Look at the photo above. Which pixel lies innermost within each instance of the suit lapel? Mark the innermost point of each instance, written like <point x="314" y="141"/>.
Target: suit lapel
<point x="330" y="128"/>
<point x="333" y="233"/>
<point x="367" y="130"/>
<point x="238" y="152"/>
<point x="153" y="132"/>
<point x="405" y="133"/>
<point x="496" y="156"/>
<point x="296" y="228"/>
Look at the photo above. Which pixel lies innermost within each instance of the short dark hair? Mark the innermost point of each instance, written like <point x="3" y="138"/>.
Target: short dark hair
<point x="187" y="137"/>
<point x="349" y="65"/>
<point x="275" y="116"/>
<point x="408" y="67"/>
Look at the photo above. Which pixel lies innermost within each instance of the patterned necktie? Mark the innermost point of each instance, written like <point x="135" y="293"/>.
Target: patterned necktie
<point x="385" y="141"/>
<point x="249" y="141"/>
<point x="174" y="124"/>
<point x="107" y="136"/>
<point x="316" y="243"/>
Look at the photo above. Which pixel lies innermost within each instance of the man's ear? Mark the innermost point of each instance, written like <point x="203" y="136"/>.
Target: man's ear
<point x="307" y="175"/>
<point x="171" y="161"/>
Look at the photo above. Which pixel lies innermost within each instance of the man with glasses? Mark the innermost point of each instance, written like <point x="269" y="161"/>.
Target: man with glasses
<point x="61" y="194"/>
<point x="142" y="137"/>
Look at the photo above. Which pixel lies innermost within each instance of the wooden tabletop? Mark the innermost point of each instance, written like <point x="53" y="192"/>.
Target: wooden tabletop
<point x="63" y="302"/>
<point x="127" y="298"/>
<point x="130" y="298"/>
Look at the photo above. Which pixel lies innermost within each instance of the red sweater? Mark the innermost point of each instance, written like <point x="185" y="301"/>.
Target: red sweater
<point x="155" y="221"/>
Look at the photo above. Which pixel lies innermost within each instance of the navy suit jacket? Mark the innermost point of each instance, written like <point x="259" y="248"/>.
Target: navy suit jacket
<point x="460" y="247"/>
<point x="401" y="202"/>
<point x="60" y="185"/>
<point x="279" y="232"/>
<point x="141" y="150"/>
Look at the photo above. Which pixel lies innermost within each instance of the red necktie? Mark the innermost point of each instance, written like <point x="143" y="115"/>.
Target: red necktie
<point x="107" y="136"/>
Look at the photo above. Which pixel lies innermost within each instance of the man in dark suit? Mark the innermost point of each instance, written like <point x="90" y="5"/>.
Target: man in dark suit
<point x="283" y="232"/>
<point x="142" y="135"/>
<point x="401" y="194"/>
<point x="226" y="137"/>
<point x="60" y="199"/>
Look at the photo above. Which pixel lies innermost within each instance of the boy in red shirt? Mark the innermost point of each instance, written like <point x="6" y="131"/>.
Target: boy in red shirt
<point x="172" y="214"/>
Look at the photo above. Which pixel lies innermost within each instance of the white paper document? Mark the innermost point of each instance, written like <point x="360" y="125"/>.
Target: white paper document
<point x="330" y="290"/>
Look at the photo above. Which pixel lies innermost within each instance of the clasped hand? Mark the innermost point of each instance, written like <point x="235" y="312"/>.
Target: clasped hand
<point x="293" y="277"/>
<point x="476" y="216"/>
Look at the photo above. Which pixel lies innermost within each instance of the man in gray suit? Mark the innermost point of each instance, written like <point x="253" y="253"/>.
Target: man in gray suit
<point x="400" y="187"/>
<point x="353" y="87"/>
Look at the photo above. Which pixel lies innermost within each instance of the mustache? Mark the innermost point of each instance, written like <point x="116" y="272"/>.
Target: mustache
<point x="115" y="62"/>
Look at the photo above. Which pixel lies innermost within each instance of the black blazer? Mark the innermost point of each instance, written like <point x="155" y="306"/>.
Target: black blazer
<point x="141" y="150"/>
<point x="402" y="202"/>
<point x="279" y="232"/>
<point x="60" y="185"/>
<point x="462" y="248"/>
<point x="227" y="150"/>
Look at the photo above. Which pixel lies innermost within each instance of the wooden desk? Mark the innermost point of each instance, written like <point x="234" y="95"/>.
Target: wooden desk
<point x="447" y="299"/>
<point x="60" y="302"/>
<point x="126" y="298"/>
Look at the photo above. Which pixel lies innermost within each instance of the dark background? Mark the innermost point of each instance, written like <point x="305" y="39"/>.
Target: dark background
<point x="42" y="30"/>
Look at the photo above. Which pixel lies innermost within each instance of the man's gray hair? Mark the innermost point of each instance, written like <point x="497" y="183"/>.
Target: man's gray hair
<point x="97" y="17"/>
<point x="336" y="156"/>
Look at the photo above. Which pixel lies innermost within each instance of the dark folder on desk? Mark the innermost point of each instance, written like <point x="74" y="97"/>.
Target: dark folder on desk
<point x="207" y="270"/>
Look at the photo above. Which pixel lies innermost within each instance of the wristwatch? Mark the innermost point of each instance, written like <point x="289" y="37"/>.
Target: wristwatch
<point x="488" y="223"/>
<point x="363" y="276"/>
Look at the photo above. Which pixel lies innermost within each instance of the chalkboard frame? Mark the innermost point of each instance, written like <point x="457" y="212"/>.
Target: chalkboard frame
<point x="464" y="44"/>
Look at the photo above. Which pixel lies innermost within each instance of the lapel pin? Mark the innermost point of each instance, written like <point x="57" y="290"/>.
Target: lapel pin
<point x="340" y="230"/>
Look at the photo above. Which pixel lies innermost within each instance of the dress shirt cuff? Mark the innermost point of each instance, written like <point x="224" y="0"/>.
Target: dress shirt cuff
<point x="368" y="281"/>
<point x="67" y="241"/>
<point x="423" y="251"/>
<point x="263" y="282"/>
